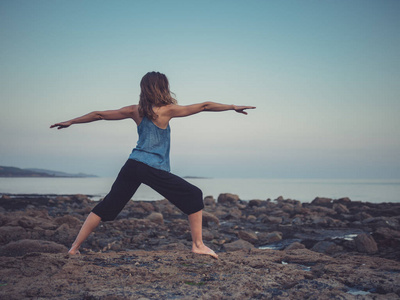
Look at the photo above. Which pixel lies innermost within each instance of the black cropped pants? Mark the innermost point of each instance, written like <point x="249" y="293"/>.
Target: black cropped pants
<point x="187" y="197"/>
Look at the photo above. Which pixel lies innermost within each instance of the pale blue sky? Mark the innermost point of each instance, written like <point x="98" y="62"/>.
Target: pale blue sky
<point x="324" y="76"/>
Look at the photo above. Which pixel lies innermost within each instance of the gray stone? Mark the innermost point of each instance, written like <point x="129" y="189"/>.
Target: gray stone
<point x="238" y="245"/>
<point x="249" y="236"/>
<point x="322" y="201"/>
<point x="156" y="218"/>
<point x="228" y="198"/>
<point x="295" y="245"/>
<point x="209" y="219"/>
<point x="365" y="243"/>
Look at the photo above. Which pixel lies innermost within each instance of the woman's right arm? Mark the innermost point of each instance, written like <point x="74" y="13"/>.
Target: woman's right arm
<point x="117" y="114"/>
<point x="175" y="111"/>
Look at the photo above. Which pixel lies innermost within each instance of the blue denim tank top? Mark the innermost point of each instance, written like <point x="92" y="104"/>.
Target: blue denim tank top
<point x="153" y="145"/>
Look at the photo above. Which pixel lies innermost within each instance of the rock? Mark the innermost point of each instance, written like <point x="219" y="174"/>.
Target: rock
<point x="147" y="206"/>
<point x="322" y="201"/>
<point x="207" y="235"/>
<point x="234" y="213"/>
<point x="297" y="221"/>
<point x="12" y="233"/>
<point x="65" y="234"/>
<point x="26" y="222"/>
<point x="70" y="221"/>
<point x="209" y="200"/>
<point x="270" y="237"/>
<point x="326" y="247"/>
<point x="387" y="233"/>
<point x="362" y="216"/>
<point x="343" y="201"/>
<point x="255" y="202"/>
<point x="288" y="208"/>
<point x="238" y="245"/>
<point x="248" y="236"/>
<point x="228" y="198"/>
<point x="273" y="237"/>
<point x="272" y="220"/>
<point x="22" y="247"/>
<point x="156" y="218"/>
<point x="321" y="210"/>
<point x="340" y="208"/>
<point x="251" y="218"/>
<point x="295" y="246"/>
<point x="365" y="243"/>
<point x="210" y="219"/>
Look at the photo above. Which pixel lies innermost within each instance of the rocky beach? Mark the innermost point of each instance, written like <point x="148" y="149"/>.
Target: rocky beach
<point x="268" y="249"/>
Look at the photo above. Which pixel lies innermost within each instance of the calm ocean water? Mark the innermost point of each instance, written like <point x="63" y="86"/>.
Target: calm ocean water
<point x="304" y="190"/>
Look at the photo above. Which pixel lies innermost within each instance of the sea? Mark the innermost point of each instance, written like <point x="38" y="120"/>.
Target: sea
<point x="304" y="190"/>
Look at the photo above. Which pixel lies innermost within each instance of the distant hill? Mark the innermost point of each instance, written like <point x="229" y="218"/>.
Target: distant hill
<point x="17" y="172"/>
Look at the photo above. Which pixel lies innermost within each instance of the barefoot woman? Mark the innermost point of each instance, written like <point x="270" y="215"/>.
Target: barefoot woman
<point x="149" y="161"/>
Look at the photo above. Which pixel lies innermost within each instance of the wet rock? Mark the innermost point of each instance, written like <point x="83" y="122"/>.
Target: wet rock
<point x="210" y="219"/>
<point x="22" y="247"/>
<point x="248" y="236"/>
<point x="156" y="218"/>
<point x="295" y="246"/>
<point x="238" y="245"/>
<point x="228" y="198"/>
<point x="365" y="243"/>
<point x="327" y="247"/>
<point x="387" y="233"/>
<point x="270" y="237"/>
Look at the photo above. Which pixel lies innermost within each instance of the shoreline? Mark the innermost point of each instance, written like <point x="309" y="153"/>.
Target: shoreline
<point x="277" y="249"/>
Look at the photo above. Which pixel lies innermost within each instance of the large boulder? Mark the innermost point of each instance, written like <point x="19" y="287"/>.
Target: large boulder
<point x="365" y="243"/>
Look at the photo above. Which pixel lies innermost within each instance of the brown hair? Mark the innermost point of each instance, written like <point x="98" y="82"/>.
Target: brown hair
<point x="154" y="92"/>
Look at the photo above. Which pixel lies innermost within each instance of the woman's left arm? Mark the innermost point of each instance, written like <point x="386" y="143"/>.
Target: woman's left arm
<point x="117" y="114"/>
<point x="187" y="110"/>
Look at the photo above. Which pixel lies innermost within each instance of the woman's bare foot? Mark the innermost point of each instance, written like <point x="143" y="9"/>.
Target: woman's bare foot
<point x="203" y="249"/>
<point x="74" y="250"/>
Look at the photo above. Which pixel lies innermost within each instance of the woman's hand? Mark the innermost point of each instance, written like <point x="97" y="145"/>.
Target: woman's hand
<point x="62" y="125"/>
<point x="241" y="109"/>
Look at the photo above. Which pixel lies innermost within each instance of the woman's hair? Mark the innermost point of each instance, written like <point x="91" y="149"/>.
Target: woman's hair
<point x="154" y="92"/>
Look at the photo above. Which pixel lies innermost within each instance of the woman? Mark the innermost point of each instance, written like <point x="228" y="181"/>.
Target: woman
<point x="149" y="160"/>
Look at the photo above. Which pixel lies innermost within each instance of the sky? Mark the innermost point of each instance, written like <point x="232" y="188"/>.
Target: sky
<point x="324" y="76"/>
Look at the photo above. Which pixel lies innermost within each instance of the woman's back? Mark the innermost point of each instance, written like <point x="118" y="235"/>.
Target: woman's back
<point x="153" y="146"/>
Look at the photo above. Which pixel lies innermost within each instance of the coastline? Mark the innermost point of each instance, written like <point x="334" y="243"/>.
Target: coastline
<point x="281" y="249"/>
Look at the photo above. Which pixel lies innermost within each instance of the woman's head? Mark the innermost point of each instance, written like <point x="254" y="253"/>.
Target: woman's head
<point x="154" y="92"/>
